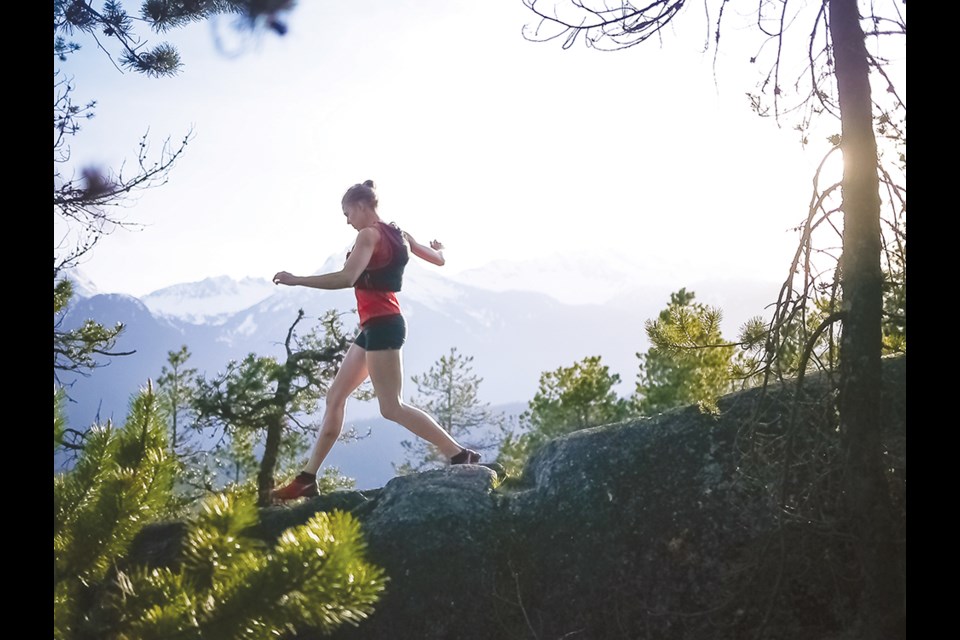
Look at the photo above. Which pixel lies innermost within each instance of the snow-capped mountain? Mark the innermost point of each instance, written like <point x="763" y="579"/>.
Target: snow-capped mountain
<point x="210" y="301"/>
<point x="514" y="335"/>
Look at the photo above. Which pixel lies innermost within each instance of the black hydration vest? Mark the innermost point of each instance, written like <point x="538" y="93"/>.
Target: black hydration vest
<point x="389" y="277"/>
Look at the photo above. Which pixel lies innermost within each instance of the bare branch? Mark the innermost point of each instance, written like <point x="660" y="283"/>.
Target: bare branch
<point x="624" y="25"/>
<point x="286" y="343"/>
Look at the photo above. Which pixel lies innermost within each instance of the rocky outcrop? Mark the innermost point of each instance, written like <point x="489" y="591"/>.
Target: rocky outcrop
<point x="667" y="527"/>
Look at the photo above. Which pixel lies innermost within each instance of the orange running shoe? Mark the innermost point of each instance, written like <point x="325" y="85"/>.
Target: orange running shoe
<point x="303" y="486"/>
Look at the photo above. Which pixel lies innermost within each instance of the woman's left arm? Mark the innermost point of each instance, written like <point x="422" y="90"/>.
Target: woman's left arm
<point x="432" y="254"/>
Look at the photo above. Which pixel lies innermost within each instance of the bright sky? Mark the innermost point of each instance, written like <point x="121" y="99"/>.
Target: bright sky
<point x="500" y="147"/>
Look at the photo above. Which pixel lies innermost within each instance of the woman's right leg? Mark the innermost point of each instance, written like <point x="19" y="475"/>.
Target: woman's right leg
<point x="386" y="374"/>
<point x="351" y="375"/>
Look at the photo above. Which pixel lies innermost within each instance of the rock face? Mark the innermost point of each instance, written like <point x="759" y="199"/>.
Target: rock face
<point x="662" y="528"/>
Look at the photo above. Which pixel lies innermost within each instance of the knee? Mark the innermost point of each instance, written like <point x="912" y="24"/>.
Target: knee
<point x="336" y="400"/>
<point x="331" y="431"/>
<point x="391" y="409"/>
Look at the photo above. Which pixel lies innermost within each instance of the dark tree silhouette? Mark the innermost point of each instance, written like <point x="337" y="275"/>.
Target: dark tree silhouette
<point x="836" y="81"/>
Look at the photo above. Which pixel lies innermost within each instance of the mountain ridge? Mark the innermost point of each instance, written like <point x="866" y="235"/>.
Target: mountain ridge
<point x="514" y="336"/>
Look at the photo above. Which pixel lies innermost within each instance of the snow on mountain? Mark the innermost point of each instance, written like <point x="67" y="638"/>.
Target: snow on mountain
<point x="333" y="263"/>
<point x="514" y="334"/>
<point x="83" y="287"/>
<point x="428" y="286"/>
<point x="210" y="301"/>
<point x="570" y="278"/>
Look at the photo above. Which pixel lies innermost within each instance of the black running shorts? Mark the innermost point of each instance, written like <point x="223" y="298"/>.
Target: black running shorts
<point x="382" y="332"/>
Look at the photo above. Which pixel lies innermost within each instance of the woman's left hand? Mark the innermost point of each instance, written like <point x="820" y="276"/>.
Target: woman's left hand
<point x="436" y="245"/>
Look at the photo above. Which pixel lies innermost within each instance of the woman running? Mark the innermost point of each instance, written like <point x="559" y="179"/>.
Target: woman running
<point x="374" y="268"/>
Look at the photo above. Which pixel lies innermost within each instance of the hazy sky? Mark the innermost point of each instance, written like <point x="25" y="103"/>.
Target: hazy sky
<point x="499" y="147"/>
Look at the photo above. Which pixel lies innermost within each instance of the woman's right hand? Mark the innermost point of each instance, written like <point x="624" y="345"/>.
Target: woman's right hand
<point x="283" y="277"/>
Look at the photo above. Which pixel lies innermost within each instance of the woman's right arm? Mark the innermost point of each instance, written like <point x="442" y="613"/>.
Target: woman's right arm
<point x="346" y="277"/>
<point x="432" y="254"/>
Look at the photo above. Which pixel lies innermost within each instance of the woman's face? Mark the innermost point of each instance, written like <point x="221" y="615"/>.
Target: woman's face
<point x="355" y="213"/>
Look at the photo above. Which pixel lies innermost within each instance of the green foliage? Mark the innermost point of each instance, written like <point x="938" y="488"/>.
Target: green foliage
<point x="778" y="349"/>
<point x="895" y="318"/>
<point x="240" y="454"/>
<point x="240" y="395"/>
<point x="226" y="585"/>
<point x="261" y="396"/>
<point x="689" y="361"/>
<point x="244" y="401"/>
<point x="515" y="448"/>
<point x="231" y="586"/>
<point x="255" y="391"/>
<point x="162" y="60"/>
<point x="894" y="323"/>
<point x="59" y="418"/>
<point x="238" y="460"/>
<point x="121" y="481"/>
<point x="62" y="292"/>
<point x="176" y="387"/>
<point x="112" y="22"/>
<point x="75" y="350"/>
<point x="449" y="392"/>
<point x="170" y="14"/>
<point x="576" y="397"/>
<point x="568" y="399"/>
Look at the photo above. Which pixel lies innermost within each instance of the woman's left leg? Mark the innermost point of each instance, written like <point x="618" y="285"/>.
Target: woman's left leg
<point x="386" y="373"/>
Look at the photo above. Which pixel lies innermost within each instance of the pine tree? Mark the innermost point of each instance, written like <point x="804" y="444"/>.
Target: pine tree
<point x="449" y="392"/>
<point x="198" y="468"/>
<point x="121" y="481"/>
<point x="689" y="361"/>
<point x="176" y="387"/>
<point x="225" y="585"/>
<point x="262" y="395"/>
<point x="229" y="586"/>
<point x="568" y="399"/>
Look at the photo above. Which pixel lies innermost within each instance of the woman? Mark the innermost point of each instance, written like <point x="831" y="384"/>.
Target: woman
<point x="374" y="268"/>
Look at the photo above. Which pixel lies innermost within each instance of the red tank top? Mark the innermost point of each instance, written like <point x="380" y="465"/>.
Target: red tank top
<point x="374" y="303"/>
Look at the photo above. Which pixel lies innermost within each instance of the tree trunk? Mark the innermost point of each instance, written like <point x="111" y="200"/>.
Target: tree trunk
<point x="275" y="424"/>
<point x="269" y="462"/>
<point x="173" y="437"/>
<point x="867" y="496"/>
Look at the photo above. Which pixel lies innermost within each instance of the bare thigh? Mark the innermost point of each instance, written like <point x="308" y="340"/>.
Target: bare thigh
<point x="386" y="373"/>
<point x="352" y="373"/>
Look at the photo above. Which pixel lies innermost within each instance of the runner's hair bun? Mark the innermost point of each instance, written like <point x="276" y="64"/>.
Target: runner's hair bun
<point x="361" y="192"/>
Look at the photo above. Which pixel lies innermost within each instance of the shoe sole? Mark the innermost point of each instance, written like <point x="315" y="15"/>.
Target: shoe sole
<point x="473" y="458"/>
<point x="307" y="494"/>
